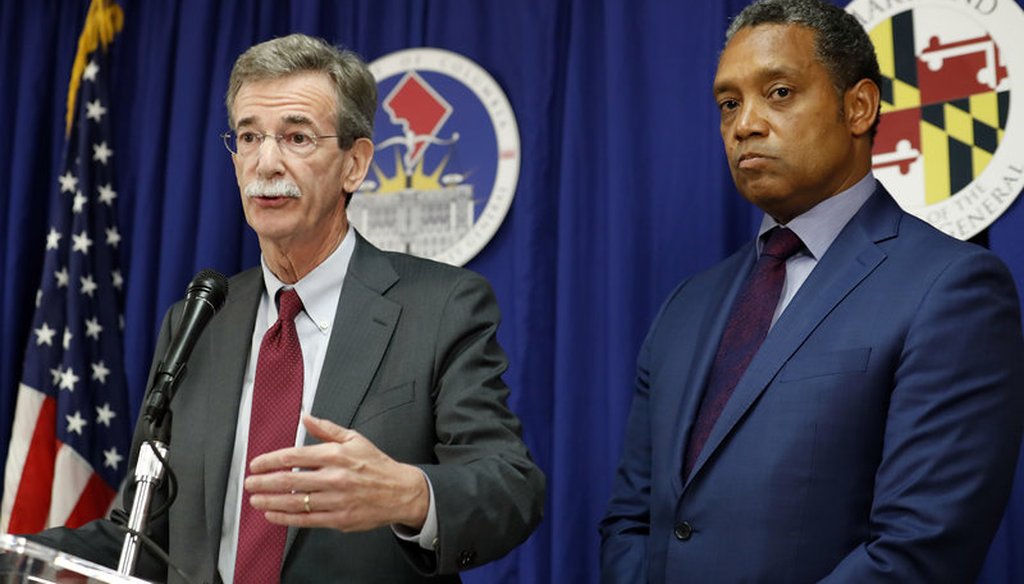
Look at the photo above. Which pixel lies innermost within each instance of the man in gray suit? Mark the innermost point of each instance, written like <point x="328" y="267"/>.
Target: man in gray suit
<point x="406" y="446"/>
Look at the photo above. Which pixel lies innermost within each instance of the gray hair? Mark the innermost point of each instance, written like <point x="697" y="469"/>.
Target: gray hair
<point x="841" y="44"/>
<point x="354" y="86"/>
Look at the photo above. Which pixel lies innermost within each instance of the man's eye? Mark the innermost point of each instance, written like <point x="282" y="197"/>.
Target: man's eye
<point x="783" y="92"/>
<point x="248" y="137"/>
<point x="728" y="105"/>
<point x="299" y="139"/>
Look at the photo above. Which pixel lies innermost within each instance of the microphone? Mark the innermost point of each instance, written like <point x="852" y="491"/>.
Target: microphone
<point x="204" y="296"/>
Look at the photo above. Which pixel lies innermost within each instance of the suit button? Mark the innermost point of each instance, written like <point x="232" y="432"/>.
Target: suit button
<point x="683" y="531"/>
<point x="466" y="559"/>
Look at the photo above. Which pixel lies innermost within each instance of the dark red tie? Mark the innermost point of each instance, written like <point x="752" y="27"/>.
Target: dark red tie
<point x="276" y="404"/>
<point x="747" y="327"/>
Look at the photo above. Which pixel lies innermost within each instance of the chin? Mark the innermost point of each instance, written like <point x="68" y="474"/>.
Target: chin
<point x="271" y="230"/>
<point x="760" y="194"/>
<point x="775" y="203"/>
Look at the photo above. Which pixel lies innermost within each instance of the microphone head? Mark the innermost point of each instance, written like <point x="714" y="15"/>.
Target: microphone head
<point x="209" y="285"/>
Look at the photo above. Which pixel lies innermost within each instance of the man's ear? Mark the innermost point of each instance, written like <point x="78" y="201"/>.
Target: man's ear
<point x="360" y="156"/>
<point x="860" y="104"/>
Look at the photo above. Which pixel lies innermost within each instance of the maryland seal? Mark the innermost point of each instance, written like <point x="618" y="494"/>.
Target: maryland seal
<point x="950" y="146"/>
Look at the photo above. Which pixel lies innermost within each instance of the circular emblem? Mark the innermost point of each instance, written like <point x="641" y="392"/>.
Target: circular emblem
<point x="950" y="145"/>
<point x="447" y="157"/>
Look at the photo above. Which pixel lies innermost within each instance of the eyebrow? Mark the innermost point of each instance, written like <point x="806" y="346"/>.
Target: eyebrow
<point x="767" y="74"/>
<point x="298" y="120"/>
<point x="293" y="119"/>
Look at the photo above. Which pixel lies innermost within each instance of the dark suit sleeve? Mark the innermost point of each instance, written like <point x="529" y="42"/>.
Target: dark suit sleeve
<point x="952" y="433"/>
<point x="625" y="528"/>
<point x="489" y="494"/>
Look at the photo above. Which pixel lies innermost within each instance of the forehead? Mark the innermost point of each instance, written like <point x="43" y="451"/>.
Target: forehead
<point x="302" y="96"/>
<point x="757" y="53"/>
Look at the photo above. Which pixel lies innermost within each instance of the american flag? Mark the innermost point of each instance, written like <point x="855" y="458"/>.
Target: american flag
<point x="69" y="446"/>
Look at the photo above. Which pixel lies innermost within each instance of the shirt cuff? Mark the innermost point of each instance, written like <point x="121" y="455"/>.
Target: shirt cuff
<point x="427" y="537"/>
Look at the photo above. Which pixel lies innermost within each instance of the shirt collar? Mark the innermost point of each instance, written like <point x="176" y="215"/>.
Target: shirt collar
<point x="819" y="226"/>
<point x="319" y="289"/>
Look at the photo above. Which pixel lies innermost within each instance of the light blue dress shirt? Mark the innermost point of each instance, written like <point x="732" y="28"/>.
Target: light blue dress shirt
<point x="817" y="228"/>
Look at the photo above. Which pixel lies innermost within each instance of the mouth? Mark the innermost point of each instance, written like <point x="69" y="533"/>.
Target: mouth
<point x="270" y="201"/>
<point x="752" y="160"/>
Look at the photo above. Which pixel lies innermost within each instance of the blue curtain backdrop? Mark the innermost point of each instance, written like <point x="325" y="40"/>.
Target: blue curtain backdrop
<point x="623" y="191"/>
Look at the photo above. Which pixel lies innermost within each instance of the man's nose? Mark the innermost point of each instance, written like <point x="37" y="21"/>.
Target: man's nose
<point x="750" y="120"/>
<point x="269" y="158"/>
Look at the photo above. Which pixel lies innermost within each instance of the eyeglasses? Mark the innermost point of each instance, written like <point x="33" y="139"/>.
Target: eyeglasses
<point x="247" y="143"/>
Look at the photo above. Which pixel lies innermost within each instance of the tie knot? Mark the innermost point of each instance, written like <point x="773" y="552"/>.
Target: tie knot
<point x="782" y="243"/>
<point x="289" y="304"/>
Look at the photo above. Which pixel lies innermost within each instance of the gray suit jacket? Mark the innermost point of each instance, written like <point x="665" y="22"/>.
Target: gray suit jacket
<point x="413" y="364"/>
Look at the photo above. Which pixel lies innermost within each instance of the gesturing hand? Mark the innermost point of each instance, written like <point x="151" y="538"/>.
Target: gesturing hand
<point x="346" y="483"/>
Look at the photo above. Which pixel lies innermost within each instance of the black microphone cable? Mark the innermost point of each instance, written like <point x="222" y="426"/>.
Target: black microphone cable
<point x="120" y="520"/>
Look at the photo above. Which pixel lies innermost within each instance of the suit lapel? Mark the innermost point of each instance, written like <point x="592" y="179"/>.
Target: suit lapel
<point x="363" y="326"/>
<point x="684" y="404"/>
<point x="228" y="342"/>
<point x="851" y="258"/>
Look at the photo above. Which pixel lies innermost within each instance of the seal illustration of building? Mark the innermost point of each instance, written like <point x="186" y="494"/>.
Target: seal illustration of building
<point x="447" y="157"/>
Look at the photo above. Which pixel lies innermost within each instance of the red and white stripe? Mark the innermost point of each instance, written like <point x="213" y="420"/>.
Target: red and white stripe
<point x="46" y="483"/>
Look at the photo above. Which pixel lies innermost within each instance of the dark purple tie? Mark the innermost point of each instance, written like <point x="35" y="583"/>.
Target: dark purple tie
<point x="747" y="327"/>
<point x="276" y="404"/>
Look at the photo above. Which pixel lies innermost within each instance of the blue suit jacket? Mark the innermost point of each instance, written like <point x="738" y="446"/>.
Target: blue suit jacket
<point x="873" y="437"/>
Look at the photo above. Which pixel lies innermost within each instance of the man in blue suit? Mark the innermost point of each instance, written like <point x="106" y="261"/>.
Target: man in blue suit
<point x="869" y="431"/>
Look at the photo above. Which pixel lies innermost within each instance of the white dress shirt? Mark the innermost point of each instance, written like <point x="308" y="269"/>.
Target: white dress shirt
<point x="319" y="291"/>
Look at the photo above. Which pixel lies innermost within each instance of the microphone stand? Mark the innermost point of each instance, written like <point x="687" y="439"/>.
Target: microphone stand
<point x="149" y="472"/>
<point x="203" y="298"/>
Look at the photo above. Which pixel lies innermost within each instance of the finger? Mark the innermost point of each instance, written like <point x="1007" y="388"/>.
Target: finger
<point x="283" y="482"/>
<point x="297" y="519"/>
<point x="314" y="519"/>
<point x="277" y="460"/>
<point x="327" y="430"/>
<point x="312" y="457"/>
<point x="322" y="509"/>
<point x="340" y="520"/>
<point x="312" y="510"/>
<point x="283" y="502"/>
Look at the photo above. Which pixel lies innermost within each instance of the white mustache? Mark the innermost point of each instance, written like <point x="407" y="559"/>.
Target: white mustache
<point x="276" y="188"/>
